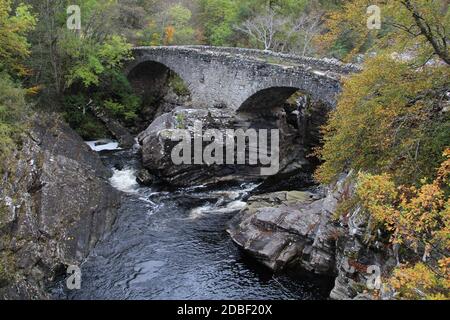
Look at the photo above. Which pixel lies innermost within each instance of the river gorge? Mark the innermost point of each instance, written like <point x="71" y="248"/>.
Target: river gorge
<point x="174" y="245"/>
<point x="139" y="225"/>
<point x="228" y="150"/>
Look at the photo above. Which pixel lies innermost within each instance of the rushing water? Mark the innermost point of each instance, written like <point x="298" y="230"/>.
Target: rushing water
<point x="173" y="245"/>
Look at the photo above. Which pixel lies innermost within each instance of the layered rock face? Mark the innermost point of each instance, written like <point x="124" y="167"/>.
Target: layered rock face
<point x="295" y="169"/>
<point x="157" y="144"/>
<point x="299" y="230"/>
<point x="55" y="205"/>
<point x="285" y="229"/>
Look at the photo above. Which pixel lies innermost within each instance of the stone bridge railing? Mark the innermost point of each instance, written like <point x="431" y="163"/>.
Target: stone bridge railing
<point x="270" y="57"/>
<point x="326" y="64"/>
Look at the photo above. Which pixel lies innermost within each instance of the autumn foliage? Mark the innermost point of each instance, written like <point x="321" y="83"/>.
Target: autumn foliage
<point x="389" y="119"/>
<point x="169" y="34"/>
<point x="419" y="219"/>
<point x="419" y="26"/>
<point x="392" y="125"/>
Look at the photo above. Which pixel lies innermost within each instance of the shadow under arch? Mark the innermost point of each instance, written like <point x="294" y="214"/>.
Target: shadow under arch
<point x="152" y="80"/>
<point x="298" y="115"/>
<point x="267" y="99"/>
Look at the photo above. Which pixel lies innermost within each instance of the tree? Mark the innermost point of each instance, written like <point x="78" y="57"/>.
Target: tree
<point x="91" y="59"/>
<point x="55" y="49"/>
<point x="169" y="34"/>
<point x="426" y="16"/>
<point x="178" y="18"/>
<point x="217" y="18"/>
<point x="301" y="32"/>
<point x="418" y="218"/>
<point x="76" y="66"/>
<point x="420" y="26"/>
<point x="278" y="29"/>
<point x="134" y="17"/>
<point x="14" y="46"/>
<point x="12" y="113"/>
<point x="389" y="118"/>
<point x="392" y="125"/>
<point x="169" y="25"/>
<point x="264" y="28"/>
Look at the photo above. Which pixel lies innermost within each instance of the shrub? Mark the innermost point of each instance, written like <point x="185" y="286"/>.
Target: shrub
<point x="178" y="86"/>
<point x="389" y="118"/>
<point x="12" y="110"/>
<point x="419" y="219"/>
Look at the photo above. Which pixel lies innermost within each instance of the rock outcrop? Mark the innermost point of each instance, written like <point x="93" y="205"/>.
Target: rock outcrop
<point x="157" y="145"/>
<point x="294" y="167"/>
<point x="123" y="136"/>
<point x="300" y="230"/>
<point x="144" y="178"/>
<point x="55" y="204"/>
<point x="286" y="229"/>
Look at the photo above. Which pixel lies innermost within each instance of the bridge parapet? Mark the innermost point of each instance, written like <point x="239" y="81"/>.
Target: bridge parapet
<point x="270" y="57"/>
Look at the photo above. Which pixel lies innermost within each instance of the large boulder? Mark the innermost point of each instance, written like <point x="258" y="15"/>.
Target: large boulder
<point x="287" y="229"/>
<point x="301" y="230"/>
<point x="55" y="204"/>
<point x="157" y="143"/>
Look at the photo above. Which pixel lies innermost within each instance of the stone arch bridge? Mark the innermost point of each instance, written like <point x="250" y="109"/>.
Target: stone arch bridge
<point x="242" y="79"/>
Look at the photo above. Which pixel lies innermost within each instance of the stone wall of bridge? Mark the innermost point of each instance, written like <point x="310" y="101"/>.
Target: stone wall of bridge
<point x="245" y="78"/>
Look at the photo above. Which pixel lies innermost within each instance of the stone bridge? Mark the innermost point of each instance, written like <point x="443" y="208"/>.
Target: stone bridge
<point x="241" y="79"/>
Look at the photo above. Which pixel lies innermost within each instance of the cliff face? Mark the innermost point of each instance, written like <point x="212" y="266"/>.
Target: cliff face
<point x="55" y="204"/>
<point x="300" y="230"/>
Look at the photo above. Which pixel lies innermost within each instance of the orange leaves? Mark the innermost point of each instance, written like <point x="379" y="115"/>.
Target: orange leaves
<point x="384" y="122"/>
<point x="414" y="215"/>
<point x="417" y="218"/>
<point x="420" y="282"/>
<point x="377" y="194"/>
<point x="34" y="90"/>
<point x="444" y="170"/>
<point x="169" y="34"/>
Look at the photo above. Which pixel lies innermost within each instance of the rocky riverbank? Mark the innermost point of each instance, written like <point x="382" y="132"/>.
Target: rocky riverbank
<point x="302" y="231"/>
<point x="56" y="204"/>
<point x="281" y="227"/>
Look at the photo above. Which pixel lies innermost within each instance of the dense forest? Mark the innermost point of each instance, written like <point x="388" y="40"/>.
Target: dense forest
<point x="391" y="125"/>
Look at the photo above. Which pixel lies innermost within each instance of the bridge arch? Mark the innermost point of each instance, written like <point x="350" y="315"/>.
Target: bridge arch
<point x="267" y="99"/>
<point x="151" y="78"/>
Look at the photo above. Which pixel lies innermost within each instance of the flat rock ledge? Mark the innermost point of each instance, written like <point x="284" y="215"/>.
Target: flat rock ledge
<point x="299" y="230"/>
<point x="284" y="229"/>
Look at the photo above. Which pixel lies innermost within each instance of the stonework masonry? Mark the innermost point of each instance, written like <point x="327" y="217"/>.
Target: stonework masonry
<point x="244" y="78"/>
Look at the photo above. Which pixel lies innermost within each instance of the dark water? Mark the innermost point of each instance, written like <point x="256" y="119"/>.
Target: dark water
<point x="173" y="245"/>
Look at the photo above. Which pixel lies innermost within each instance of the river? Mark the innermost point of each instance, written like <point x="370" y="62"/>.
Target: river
<point x="174" y="245"/>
